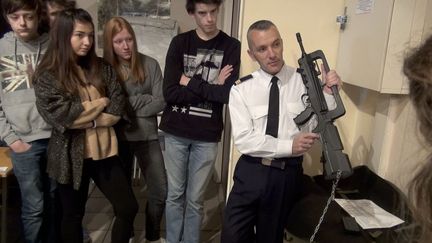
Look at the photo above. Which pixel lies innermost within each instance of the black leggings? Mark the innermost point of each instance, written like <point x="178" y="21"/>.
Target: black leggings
<point x="110" y="178"/>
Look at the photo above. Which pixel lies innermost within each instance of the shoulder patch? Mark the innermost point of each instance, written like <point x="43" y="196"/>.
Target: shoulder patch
<point x="243" y="79"/>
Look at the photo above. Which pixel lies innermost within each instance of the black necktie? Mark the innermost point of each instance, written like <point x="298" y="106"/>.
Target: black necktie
<point x="273" y="109"/>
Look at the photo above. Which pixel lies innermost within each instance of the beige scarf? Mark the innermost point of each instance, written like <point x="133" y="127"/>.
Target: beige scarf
<point x="100" y="142"/>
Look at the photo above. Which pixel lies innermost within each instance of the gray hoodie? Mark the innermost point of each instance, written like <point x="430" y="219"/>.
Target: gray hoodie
<point x="19" y="117"/>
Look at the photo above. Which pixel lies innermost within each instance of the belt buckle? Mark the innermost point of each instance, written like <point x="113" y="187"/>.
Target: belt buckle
<point x="282" y="165"/>
<point x="266" y="162"/>
<point x="273" y="163"/>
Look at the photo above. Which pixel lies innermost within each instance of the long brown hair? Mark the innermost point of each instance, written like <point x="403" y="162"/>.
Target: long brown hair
<point x="112" y="28"/>
<point x="418" y="69"/>
<point x="60" y="60"/>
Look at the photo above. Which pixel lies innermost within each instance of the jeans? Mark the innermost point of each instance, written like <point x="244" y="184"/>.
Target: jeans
<point x="189" y="166"/>
<point x="37" y="193"/>
<point x="111" y="180"/>
<point x="150" y="160"/>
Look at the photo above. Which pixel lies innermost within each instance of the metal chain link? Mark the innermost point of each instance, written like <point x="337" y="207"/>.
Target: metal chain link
<point x="329" y="200"/>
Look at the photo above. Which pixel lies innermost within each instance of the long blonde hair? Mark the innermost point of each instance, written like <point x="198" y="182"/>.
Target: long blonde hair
<point x="112" y="28"/>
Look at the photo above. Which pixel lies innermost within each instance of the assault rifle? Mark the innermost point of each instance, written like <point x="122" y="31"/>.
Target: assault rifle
<point x="333" y="158"/>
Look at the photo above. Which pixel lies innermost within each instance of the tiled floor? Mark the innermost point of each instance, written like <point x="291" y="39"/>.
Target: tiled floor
<point x="99" y="214"/>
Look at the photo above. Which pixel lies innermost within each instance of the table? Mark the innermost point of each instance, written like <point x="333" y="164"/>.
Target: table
<point x="5" y="161"/>
<point x="363" y="184"/>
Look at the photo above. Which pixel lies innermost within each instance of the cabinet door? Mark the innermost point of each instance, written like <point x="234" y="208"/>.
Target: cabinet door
<point x="363" y="43"/>
<point x="374" y="43"/>
<point x="410" y="23"/>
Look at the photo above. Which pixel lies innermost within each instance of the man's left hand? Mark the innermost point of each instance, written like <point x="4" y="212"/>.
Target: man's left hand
<point x="330" y="79"/>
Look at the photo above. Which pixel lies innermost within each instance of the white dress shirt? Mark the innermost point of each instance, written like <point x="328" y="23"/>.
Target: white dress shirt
<point x="248" y="106"/>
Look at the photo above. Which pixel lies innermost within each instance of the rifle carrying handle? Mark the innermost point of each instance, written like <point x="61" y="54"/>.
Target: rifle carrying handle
<point x="340" y="109"/>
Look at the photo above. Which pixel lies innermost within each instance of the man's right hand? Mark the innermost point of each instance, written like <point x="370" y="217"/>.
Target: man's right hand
<point x="303" y="142"/>
<point x="19" y="146"/>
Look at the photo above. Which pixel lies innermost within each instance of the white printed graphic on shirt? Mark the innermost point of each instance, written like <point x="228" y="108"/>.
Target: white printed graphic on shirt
<point x="193" y="110"/>
<point x="14" y="78"/>
<point x="200" y="112"/>
<point x="206" y="63"/>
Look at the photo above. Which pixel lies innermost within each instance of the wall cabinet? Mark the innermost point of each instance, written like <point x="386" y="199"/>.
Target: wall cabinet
<point x="376" y="38"/>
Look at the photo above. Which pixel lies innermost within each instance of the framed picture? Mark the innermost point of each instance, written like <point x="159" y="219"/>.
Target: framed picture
<point x="150" y="19"/>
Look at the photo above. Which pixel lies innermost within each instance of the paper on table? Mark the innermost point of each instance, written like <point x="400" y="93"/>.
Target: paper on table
<point x="369" y="215"/>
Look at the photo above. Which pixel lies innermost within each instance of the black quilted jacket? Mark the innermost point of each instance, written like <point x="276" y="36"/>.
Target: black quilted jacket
<point x="60" y="109"/>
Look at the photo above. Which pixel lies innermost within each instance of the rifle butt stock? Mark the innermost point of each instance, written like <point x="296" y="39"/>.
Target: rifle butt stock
<point x="333" y="158"/>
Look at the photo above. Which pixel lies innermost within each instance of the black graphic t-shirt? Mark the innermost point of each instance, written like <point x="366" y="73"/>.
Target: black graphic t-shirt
<point x="195" y="111"/>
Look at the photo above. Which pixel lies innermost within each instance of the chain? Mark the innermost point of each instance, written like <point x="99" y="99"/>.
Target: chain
<point x="330" y="199"/>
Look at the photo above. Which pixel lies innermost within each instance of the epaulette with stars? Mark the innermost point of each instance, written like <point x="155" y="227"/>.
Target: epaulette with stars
<point x="242" y="79"/>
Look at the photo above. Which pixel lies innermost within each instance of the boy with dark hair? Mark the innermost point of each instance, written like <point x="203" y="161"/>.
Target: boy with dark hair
<point x="53" y="7"/>
<point x="21" y="126"/>
<point x="201" y="66"/>
<point x="190" y="5"/>
<point x="4" y="27"/>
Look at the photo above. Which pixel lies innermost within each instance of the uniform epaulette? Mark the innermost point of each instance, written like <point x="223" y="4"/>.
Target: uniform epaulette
<point x="242" y="79"/>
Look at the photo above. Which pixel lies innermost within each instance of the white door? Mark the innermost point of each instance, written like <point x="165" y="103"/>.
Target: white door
<point x="363" y="42"/>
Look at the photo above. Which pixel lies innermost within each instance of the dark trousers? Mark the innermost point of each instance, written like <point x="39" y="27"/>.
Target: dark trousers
<point x="260" y="200"/>
<point x="110" y="178"/>
<point x="150" y="160"/>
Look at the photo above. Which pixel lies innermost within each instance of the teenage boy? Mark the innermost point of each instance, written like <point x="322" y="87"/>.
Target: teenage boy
<point x="201" y="66"/>
<point x="21" y="126"/>
<point x="53" y="7"/>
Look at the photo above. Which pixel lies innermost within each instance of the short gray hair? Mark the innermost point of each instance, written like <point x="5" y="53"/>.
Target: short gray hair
<point x="259" y="25"/>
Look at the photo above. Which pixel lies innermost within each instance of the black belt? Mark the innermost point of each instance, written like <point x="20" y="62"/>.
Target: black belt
<point x="280" y="163"/>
